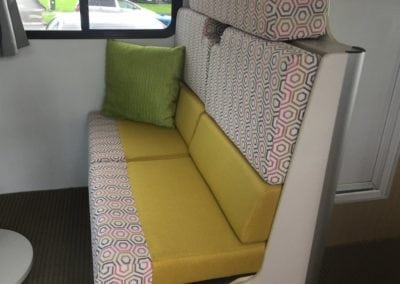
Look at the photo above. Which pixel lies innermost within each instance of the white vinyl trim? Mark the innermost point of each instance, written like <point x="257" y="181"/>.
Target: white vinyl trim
<point x="345" y="188"/>
<point x="299" y="205"/>
<point x="362" y="195"/>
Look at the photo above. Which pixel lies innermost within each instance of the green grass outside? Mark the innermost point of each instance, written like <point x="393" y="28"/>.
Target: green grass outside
<point x="158" y="8"/>
<point x="47" y="17"/>
<point x="45" y="3"/>
<point x="69" y="6"/>
<point x="61" y="5"/>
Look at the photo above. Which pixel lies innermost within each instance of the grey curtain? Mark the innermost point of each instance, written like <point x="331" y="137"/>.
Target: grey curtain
<point x="12" y="33"/>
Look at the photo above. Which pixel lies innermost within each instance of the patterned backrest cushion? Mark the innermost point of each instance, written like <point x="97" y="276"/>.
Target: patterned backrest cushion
<point x="257" y="94"/>
<point x="198" y="34"/>
<point x="275" y="20"/>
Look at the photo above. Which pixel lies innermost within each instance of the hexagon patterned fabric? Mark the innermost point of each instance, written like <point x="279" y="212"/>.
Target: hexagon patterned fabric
<point x="119" y="248"/>
<point x="104" y="141"/>
<point x="198" y="34"/>
<point x="120" y="252"/>
<point x="275" y="20"/>
<point x="257" y="93"/>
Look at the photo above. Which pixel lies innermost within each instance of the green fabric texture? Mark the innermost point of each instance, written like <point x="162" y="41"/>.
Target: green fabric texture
<point x="142" y="82"/>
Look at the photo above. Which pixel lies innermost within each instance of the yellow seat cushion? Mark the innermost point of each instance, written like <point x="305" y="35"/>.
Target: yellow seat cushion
<point x="248" y="202"/>
<point x="187" y="234"/>
<point x="188" y="112"/>
<point x="143" y="141"/>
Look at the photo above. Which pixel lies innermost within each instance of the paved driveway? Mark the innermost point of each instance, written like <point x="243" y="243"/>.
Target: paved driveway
<point x="31" y="14"/>
<point x="29" y="5"/>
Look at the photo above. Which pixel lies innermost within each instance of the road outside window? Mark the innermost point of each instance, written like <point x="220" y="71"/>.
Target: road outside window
<point x="65" y="15"/>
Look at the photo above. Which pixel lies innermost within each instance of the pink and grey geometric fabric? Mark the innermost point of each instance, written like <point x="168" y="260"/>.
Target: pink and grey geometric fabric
<point x="275" y="20"/>
<point x="198" y="34"/>
<point x="257" y="93"/>
<point x="104" y="141"/>
<point x="120" y="252"/>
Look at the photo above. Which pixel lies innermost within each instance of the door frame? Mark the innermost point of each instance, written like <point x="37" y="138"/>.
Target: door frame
<point x="386" y="163"/>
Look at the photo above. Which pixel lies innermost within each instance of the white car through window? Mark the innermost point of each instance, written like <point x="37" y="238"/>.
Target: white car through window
<point x="109" y="15"/>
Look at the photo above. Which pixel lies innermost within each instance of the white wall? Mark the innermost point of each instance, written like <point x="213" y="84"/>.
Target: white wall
<point x="46" y="93"/>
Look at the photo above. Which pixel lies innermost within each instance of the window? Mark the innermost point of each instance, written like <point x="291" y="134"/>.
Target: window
<point x="98" y="18"/>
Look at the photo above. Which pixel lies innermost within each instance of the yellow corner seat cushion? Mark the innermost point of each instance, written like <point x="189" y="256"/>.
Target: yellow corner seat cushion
<point x="188" y="112"/>
<point x="142" y="141"/>
<point x="188" y="236"/>
<point x="248" y="202"/>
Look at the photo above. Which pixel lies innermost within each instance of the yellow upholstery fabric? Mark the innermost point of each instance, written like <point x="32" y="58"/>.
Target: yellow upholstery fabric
<point x="248" y="202"/>
<point x="187" y="234"/>
<point x="142" y="141"/>
<point x="188" y="112"/>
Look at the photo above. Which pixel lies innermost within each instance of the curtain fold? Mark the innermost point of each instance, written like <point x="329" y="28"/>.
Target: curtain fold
<point x="12" y="33"/>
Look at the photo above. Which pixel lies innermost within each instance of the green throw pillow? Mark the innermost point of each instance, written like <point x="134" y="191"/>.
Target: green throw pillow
<point x="142" y="82"/>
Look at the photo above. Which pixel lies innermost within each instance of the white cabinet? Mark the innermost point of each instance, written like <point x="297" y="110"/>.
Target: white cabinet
<point x="371" y="148"/>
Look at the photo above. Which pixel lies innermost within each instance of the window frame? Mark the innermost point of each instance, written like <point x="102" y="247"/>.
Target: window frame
<point x="87" y="33"/>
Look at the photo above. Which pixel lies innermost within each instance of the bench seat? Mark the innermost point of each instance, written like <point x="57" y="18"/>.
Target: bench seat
<point x="187" y="234"/>
<point x="115" y="140"/>
<point x="199" y="201"/>
<point x="168" y="219"/>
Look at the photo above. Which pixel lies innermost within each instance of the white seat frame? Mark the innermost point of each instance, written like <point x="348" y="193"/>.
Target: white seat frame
<point x="296" y="243"/>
